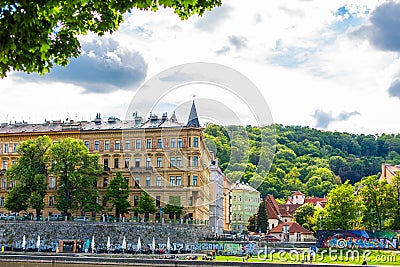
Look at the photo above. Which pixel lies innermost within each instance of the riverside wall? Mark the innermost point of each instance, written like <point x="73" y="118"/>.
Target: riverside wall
<point x="11" y="233"/>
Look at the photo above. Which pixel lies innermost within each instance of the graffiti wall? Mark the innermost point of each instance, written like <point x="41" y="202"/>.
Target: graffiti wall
<point x="358" y="239"/>
<point x="230" y="248"/>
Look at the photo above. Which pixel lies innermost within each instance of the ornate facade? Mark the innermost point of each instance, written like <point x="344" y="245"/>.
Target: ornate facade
<point x="166" y="158"/>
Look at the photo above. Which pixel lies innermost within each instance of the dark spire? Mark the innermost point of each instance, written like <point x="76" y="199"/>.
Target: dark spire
<point x="193" y="120"/>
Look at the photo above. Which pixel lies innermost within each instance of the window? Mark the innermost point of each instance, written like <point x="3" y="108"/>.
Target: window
<point x="15" y="147"/>
<point x="147" y="180"/>
<point x="51" y="201"/>
<point x="148" y="163"/>
<point x="126" y="179"/>
<point x="137" y="162"/>
<point x="159" y="143"/>
<point x="195" y="142"/>
<point x="52" y="183"/>
<point x="117" y="145"/>
<point x="2" y="202"/>
<point x="148" y="143"/>
<point x="175" y="200"/>
<point x="127" y="145"/>
<point x="179" y="142"/>
<point x="178" y="180"/>
<point x="105" y="181"/>
<point x="190" y="201"/>
<point x="158" y="181"/>
<point x="13" y="183"/>
<point x="173" y="142"/>
<point x="4" y="165"/>
<point x="159" y="162"/>
<point x="172" y="180"/>
<point x="116" y="161"/>
<point x="3" y="183"/>
<point x="179" y="161"/>
<point x="87" y="144"/>
<point x="135" y="200"/>
<point x="194" y="180"/>
<point x="96" y="145"/>
<point x="172" y="162"/>
<point x="13" y="162"/>
<point x="105" y="163"/>
<point x="158" y="201"/>
<point x="240" y="217"/>
<point x="195" y="161"/>
<point x="137" y="181"/>
<point x="138" y="144"/>
<point x="240" y="198"/>
<point x="5" y="148"/>
<point x="127" y="161"/>
<point x="107" y="145"/>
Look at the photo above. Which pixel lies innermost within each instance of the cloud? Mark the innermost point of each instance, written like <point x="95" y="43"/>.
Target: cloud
<point x="324" y="119"/>
<point x="177" y="77"/>
<point x="394" y="88"/>
<point x="383" y="31"/>
<point x="238" y="42"/>
<point x="211" y="20"/>
<point x="223" y="50"/>
<point x="103" y="66"/>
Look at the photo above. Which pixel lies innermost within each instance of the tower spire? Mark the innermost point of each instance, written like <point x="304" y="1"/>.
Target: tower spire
<point x="193" y="120"/>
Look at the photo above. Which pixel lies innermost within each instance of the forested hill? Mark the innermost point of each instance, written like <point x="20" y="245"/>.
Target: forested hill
<point x="305" y="159"/>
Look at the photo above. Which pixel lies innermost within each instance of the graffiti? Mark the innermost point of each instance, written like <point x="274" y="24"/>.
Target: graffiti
<point x="358" y="239"/>
<point x="227" y="247"/>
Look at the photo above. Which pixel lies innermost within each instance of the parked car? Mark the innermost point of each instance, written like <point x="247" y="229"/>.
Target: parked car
<point x="55" y="217"/>
<point x="36" y="219"/>
<point x="81" y="219"/>
<point x="3" y="216"/>
<point x="25" y="217"/>
<point x="271" y="238"/>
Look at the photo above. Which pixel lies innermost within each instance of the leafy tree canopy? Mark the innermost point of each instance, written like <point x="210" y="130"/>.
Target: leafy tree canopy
<point x="35" y="35"/>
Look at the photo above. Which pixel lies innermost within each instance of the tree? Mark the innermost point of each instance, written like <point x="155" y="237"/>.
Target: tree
<point x="252" y="223"/>
<point x="76" y="171"/>
<point x="262" y="218"/>
<point x="343" y="208"/>
<point x="395" y="202"/>
<point x="31" y="173"/>
<point x="117" y="193"/>
<point x="35" y="35"/>
<point x="304" y="215"/>
<point x="16" y="200"/>
<point x="374" y="195"/>
<point x="146" y="205"/>
<point x="173" y="210"/>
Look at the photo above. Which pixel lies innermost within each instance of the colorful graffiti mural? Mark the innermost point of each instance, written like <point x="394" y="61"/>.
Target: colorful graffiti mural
<point x="230" y="248"/>
<point x="358" y="239"/>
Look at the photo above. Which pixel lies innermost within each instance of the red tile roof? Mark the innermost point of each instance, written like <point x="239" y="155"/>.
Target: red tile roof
<point x="293" y="228"/>
<point x="315" y="200"/>
<point x="272" y="207"/>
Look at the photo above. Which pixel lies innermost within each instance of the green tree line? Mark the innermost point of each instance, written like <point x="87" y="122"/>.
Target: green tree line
<point x="279" y="159"/>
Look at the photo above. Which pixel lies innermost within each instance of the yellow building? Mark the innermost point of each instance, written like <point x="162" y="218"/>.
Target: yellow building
<point x="167" y="159"/>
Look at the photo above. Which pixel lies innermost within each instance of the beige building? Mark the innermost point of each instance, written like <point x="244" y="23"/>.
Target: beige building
<point x="388" y="172"/>
<point x="166" y="158"/>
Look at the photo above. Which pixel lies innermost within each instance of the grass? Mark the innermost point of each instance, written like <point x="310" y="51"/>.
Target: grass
<point x="334" y="257"/>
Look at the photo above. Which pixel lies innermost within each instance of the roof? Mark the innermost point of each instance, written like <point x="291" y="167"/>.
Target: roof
<point x="288" y="209"/>
<point x="293" y="228"/>
<point x="193" y="120"/>
<point x="246" y="187"/>
<point x="315" y="200"/>
<point x="298" y="193"/>
<point x="272" y="208"/>
<point x="153" y="121"/>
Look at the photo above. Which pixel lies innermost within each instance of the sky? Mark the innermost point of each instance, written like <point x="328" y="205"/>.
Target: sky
<point x="330" y="65"/>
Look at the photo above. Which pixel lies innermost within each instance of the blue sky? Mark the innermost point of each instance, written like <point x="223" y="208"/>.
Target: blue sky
<point x="332" y="65"/>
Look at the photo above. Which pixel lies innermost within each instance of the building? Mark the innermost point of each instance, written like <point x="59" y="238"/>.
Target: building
<point x="283" y="213"/>
<point x="228" y="185"/>
<point x="245" y="203"/>
<point x="292" y="232"/>
<point x="166" y="158"/>
<point x="388" y="172"/>
<point x="216" y="197"/>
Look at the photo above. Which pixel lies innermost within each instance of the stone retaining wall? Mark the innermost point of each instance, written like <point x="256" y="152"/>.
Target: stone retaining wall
<point x="11" y="233"/>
